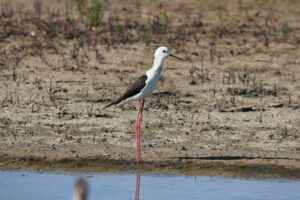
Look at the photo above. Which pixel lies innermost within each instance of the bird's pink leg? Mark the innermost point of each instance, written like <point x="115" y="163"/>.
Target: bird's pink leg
<point x="138" y="131"/>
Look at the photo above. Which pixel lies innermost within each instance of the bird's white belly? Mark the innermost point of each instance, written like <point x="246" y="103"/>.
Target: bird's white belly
<point x="149" y="88"/>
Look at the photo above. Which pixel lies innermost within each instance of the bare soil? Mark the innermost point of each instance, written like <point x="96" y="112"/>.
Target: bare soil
<point x="232" y="107"/>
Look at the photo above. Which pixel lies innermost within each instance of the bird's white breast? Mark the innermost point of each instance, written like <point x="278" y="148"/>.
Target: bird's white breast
<point x="150" y="86"/>
<point x="151" y="82"/>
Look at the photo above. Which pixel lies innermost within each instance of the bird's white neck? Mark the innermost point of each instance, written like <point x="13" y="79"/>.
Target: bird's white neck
<point x="157" y="67"/>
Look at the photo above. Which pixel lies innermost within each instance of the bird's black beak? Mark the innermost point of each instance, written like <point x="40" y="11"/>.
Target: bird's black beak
<point x="176" y="57"/>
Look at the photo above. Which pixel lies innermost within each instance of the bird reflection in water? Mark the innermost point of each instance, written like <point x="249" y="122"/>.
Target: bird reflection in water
<point x="81" y="188"/>
<point x="137" y="187"/>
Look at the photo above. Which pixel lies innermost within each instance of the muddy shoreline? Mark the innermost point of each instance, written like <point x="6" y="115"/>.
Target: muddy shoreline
<point x="257" y="168"/>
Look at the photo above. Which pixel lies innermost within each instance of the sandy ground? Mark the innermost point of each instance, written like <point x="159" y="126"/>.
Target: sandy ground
<point x="234" y="101"/>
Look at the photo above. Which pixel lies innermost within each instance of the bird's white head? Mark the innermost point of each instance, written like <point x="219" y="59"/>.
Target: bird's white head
<point x="159" y="56"/>
<point x="162" y="52"/>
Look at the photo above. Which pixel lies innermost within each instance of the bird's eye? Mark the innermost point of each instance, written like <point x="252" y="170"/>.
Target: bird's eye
<point x="164" y="51"/>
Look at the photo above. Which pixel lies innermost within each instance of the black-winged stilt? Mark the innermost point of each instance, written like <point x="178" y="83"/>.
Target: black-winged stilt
<point x="142" y="88"/>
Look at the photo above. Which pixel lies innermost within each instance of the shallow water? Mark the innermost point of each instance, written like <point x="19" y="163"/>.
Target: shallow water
<point x="37" y="186"/>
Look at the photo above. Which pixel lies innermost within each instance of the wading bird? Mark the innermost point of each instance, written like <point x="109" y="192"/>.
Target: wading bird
<point x="141" y="89"/>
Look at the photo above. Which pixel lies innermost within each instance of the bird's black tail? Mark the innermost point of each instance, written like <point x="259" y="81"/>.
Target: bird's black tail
<point x="113" y="103"/>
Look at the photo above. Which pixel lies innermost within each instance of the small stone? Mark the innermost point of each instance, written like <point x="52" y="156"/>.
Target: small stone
<point x="78" y="140"/>
<point x="104" y="129"/>
<point x="150" y="145"/>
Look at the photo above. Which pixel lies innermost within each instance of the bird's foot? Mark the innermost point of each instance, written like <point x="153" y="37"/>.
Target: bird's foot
<point x="140" y="162"/>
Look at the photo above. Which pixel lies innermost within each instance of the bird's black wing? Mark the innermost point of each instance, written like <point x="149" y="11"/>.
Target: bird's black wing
<point x="132" y="90"/>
